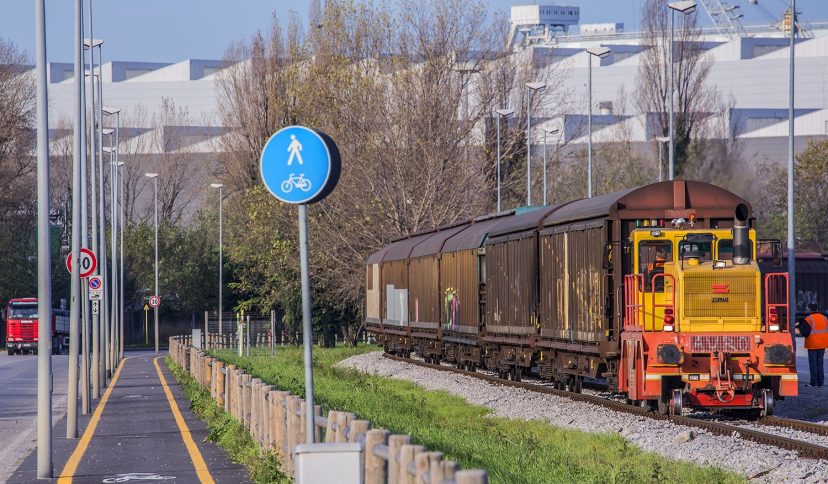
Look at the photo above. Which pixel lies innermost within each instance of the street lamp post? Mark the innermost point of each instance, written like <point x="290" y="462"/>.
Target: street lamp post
<point x="532" y="86"/>
<point x="154" y="177"/>
<point x="221" y="259"/>
<point x="685" y="7"/>
<point x="791" y="247"/>
<point x="117" y="285"/>
<point x="545" y="132"/>
<point x="113" y="233"/>
<point x="661" y="140"/>
<point x="501" y="113"/>
<point x="601" y="53"/>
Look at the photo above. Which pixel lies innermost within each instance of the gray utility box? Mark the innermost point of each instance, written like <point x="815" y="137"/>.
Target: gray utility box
<point x="328" y="463"/>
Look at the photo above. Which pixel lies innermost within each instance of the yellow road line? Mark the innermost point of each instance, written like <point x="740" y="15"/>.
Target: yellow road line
<point x="71" y="466"/>
<point x="195" y="455"/>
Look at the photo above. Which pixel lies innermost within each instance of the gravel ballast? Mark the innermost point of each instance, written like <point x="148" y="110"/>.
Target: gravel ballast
<point x="756" y="461"/>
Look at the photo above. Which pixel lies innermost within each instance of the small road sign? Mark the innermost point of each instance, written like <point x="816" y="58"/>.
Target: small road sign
<point x="96" y="307"/>
<point x="154" y="301"/>
<point x="88" y="262"/>
<point x="300" y="165"/>
<point x="95" y="288"/>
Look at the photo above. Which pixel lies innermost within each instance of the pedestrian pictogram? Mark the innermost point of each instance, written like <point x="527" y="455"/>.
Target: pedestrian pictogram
<point x="96" y="307"/>
<point x="154" y="301"/>
<point x="300" y="165"/>
<point x="295" y="149"/>
<point x="88" y="263"/>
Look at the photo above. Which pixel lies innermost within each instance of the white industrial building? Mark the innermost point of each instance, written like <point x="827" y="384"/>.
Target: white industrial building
<point x="750" y="66"/>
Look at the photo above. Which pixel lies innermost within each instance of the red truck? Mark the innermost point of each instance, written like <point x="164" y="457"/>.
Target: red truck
<point x="21" y="327"/>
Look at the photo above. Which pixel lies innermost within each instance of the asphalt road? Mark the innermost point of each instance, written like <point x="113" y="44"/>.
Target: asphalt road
<point x="18" y="406"/>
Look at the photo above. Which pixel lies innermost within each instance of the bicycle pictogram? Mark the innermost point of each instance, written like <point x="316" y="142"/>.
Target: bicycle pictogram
<point x="299" y="182"/>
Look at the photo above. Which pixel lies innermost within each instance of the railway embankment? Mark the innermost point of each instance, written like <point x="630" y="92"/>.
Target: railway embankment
<point x="511" y="450"/>
<point x="673" y="442"/>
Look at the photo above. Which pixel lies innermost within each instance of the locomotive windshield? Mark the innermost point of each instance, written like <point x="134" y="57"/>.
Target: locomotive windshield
<point x="22" y="312"/>
<point x="652" y="255"/>
<point x="697" y="245"/>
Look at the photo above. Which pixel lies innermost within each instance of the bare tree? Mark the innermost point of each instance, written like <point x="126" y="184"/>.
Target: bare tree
<point x="17" y="105"/>
<point x="694" y="99"/>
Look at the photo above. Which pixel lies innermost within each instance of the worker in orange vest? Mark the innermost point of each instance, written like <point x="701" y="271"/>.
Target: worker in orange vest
<point x="815" y="330"/>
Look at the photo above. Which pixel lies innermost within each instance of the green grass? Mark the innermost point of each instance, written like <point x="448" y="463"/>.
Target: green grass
<point x="512" y="451"/>
<point x="261" y="466"/>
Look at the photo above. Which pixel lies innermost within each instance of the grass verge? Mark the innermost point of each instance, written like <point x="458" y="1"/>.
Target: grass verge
<point x="225" y="431"/>
<point x="512" y="451"/>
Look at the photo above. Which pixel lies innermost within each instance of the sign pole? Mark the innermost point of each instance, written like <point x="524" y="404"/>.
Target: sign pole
<point x="146" y="324"/>
<point x="307" y="331"/>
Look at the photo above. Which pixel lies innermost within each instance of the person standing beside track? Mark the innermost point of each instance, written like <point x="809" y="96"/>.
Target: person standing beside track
<point x="815" y="330"/>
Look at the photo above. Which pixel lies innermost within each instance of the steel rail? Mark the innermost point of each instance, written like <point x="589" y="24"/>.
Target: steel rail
<point x="805" y="449"/>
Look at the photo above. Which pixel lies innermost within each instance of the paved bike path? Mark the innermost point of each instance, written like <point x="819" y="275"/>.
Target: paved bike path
<point x="141" y="430"/>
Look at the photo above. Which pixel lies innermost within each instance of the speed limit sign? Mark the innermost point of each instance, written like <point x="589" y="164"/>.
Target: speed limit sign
<point x="87" y="265"/>
<point x="154" y="301"/>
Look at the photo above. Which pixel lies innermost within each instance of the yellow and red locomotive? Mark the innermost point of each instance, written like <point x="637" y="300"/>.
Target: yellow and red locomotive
<point x="655" y="290"/>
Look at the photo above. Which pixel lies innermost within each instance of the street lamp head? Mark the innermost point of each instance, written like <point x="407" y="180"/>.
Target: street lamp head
<point x="535" y="85"/>
<point x="150" y="175"/>
<point x="120" y="163"/>
<point x="109" y="149"/>
<point x="685" y="7"/>
<point x="600" y="52"/>
<point x="110" y="110"/>
<point x="662" y="139"/>
<point x="107" y="131"/>
<point x="92" y="42"/>
<point x="216" y="185"/>
<point x="551" y="130"/>
<point x="505" y="112"/>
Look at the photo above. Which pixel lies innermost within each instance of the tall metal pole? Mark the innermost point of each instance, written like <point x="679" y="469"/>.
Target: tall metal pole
<point x="660" y="161"/>
<point x="122" y="224"/>
<point x="77" y="162"/>
<point x="529" y="148"/>
<point x="498" y="162"/>
<point x="86" y="400"/>
<point x="106" y="353"/>
<point x="221" y="263"/>
<point x="672" y="151"/>
<point x="113" y="245"/>
<point x="44" y="258"/>
<point x="791" y="227"/>
<point x="155" y="310"/>
<point x="306" y="321"/>
<point x="589" y="128"/>
<point x="544" y="166"/>
<point x="93" y="204"/>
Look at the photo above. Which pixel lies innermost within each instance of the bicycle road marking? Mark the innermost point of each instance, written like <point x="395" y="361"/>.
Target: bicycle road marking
<point x="71" y="466"/>
<point x="195" y="455"/>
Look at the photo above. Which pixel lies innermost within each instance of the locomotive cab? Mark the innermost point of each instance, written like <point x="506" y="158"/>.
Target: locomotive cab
<point x="702" y="327"/>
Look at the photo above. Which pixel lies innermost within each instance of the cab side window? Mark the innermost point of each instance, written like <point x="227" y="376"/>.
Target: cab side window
<point x="652" y="255"/>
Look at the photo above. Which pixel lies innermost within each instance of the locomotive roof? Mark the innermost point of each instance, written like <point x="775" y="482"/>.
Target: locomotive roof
<point x="657" y="200"/>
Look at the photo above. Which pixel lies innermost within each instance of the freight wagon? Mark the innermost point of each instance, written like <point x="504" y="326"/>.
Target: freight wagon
<point x="654" y="289"/>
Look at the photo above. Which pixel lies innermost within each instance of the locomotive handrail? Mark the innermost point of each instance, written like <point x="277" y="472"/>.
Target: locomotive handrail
<point x="633" y="299"/>
<point x="671" y="305"/>
<point x="777" y="277"/>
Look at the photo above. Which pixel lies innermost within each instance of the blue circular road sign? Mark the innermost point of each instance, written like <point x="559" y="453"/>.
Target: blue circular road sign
<point x="300" y="165"/>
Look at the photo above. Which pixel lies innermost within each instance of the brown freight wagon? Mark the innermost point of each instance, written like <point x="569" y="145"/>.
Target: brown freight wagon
<point x="554" y="291"/>
<point x="811" y="278"/>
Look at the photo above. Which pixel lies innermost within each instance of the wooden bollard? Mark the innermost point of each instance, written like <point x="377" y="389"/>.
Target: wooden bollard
<point x="220" y="379"/>
<point x="450" y="468"/>
<point x="395" y="443"/>
<point x="280" y="421"/>
<point x="435" y="468"/>
<point x="375" y="467"/>
<point x="423" y="462"/>
<point x="357" y="427"/>
<point x="407" y="454"/>
<point x="317" y="430"/>
<point x="208" y="373"/>
<point x="342" y="421"/>
<point x="294" y="428"/>
<point x="246" y="382"/>
<point x="228" y="384"/>
<point x="473" y="476"/>
<point x="254" y="407"/>
<point x="330" y="429"/>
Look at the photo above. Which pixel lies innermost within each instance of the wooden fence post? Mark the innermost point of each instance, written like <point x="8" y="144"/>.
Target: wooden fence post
<point x="375" y="467"/>
<point x="407" y="453"/>
<point x="395" y="443"/>
<point x="474" y="476"/>
<point x="356" y="427"/>
<point x="449" y="467"/>
<point x="330" y="430"/>
<point x="280" y="421"/>
<point x="220" y="379"/>
<point x="342" y="421"/>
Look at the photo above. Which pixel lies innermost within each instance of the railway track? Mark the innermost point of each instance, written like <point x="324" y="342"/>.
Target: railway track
<point x="805" y="449"/>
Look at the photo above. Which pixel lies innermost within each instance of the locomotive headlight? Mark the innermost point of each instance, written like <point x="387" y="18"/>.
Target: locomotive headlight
<point x="669" y="354"/>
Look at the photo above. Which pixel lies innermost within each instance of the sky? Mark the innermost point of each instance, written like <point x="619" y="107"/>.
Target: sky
<point x="174" y="30"/>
